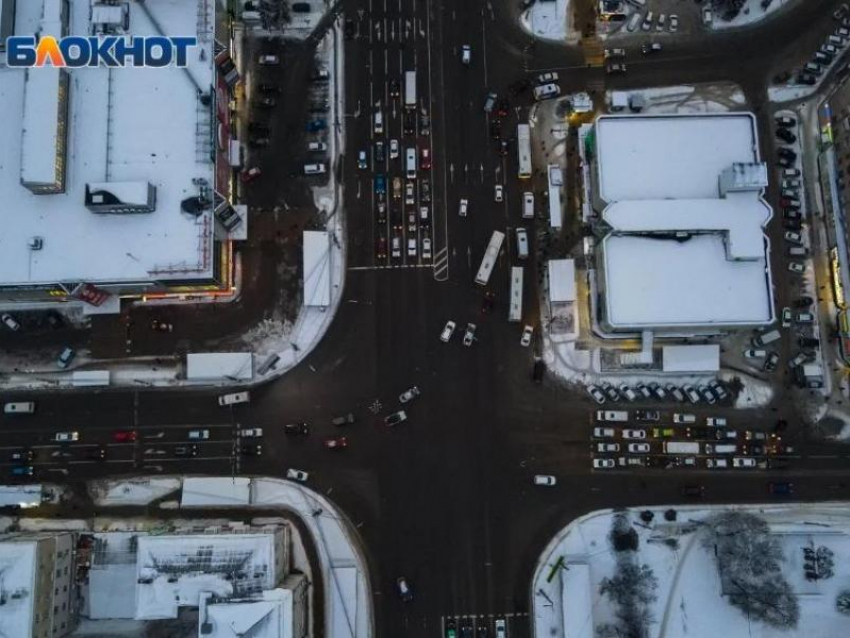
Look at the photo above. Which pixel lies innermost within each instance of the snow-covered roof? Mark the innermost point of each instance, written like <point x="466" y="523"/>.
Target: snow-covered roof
<point x="562" y="280"/>
<point x="20" y="495"/>
<point x="269" y="617"/>
<point x="112" y="577"/>
<point x="217" y="366"/>
<point x="668" y="283"/>
<point x="317" y="268"/>
<point x="17" y="584"/>
<point x="670" y="156"/>
<point x="576" y="601"/>
<point x="125" y="125"/>
<point x="175" y="571"/>
<point x="697" y="358"/>
<point x="41" y="124"/>
<point x="680" y="254"/>
<point x="343" y="588"/>
<point x="216" y="490"/>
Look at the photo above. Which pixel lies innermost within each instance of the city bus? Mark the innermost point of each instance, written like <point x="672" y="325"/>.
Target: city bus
<point x="515" y="313"/>
<point x="490" y="257"/>
<point x="523" y="149"/>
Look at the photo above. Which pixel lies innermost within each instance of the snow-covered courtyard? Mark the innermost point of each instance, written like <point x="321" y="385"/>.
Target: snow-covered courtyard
<point x="782" y="574"/>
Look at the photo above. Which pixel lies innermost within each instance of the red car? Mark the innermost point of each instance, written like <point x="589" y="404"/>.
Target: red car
<point x="425" y="159"/>
<point x="251" y="174"/>
<point x="336" y="442"/>
<point x="124" y="436"/>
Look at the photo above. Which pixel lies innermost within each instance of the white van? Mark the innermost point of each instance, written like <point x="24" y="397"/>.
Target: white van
<point x="528" y="205"/>
<point x="759" y="341"/>
<point x="234" y="398"/>
<point x="522" y="243"/>
<point x="634" y="21"/>
<point x="546" y="91"/>
<point x="315" y="169"/>
<point x="19" y="407"/>
<point x="411" y="163"/>
<point x="379" y="122"/>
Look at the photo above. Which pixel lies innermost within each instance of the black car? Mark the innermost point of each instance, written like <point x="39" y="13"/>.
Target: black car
<point x="808" y="342"/>
<point x="301" y="428"/>
<point x="488" y="302"/>
<point x="806" y="78"/>
<point x="502" y="147"/>
<point x="778" y="464"/>
<point x="268" y="88"/>
<point x="791" y="213"/>
<point x="409" y="123"/>
<point x="781" y="489"/>
<point x="793" y="224"/>
<point x="425" y="191"/>
<point x="786" y="153"/>
<point x="259" y="127"/>
<point x="395" y="88"/>
<point x="258" y="141"/>
<point x="539" y="372"/>
<point x="23" y="455"/>
<point x="803" y="302"/>
<point x="496" y="129"/>
<point x="251" y="450"/>
<point x="380" y="155"/>
<point x="97" y="453"/>
<point x="502" y="107"/>
<point x="698" y="433"/>
<point x="186" y="450"/>
<point x="785" y="135"/>
<point x="55" y="320"/>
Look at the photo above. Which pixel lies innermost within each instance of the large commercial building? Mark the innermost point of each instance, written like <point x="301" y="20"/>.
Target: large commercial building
<point x="107" y="175"/>
<point x="682" y="245"/>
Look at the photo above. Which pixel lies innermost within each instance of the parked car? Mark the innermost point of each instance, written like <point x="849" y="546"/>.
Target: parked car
<point x="638" y="448"/>
<point x="10" y="322"/>
<point x="627" y="392"/>
<point x="649" y="416"/>
<point x="409" y="394"/>
<point x="469" y="335"/>
<point x="771" y="362"/>
<point x="269" y="60"/>
<point x="607" y="447"/>
<point x="741" y="461"/>
<point x="691" y="393"/>
<point x="603" y="464"/>
<point x="297" y="475"/>
<point x="603" y="433"/>
<point x="634" y="434"/>
<point x="546" y="480"/>
<point x="66" y="437"/>
<point x="448" y="331"/>
<point x="251" y="433"/>
<point x="395" y="418"/>
<point x="299" y="429"/>
<point x="596" y="394"/>
<point x="525" y="339"/>
<point x="66" y="357"/>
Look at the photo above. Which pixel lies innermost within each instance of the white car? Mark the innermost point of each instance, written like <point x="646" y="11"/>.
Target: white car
<point x="607" y="447"/>
<point x="682" y="418"/>
<point x="740" y="461"/>
<point x="251" y="432"/>
<point x="463" y="208"/>
<point x="717" y="463"/>
<point x="639" y="448"/>
<point x="499" y="193"/>
<point x="426" y="248"/>
<point x="466" y="54"/>
<point x="527" y="333"/>
<point x="796" y="266"/>
<point x="596" y="393"/>
<point x="634" y="434"/>
<point x="269" y="60"/>
<point x="546" y="480"/>
<point x="317" y="147"/>
<point x="469" y="335"/>
<point x="716" y="421"/>
<point x="707" y="17"/>
<point x="409" y="394"/>
<point x="411" y="247"/>
<point x="234" y="398"/>
<point x="199" y="435"/>
<point x="674" y="23"/>
<point x="409" y="195"/>
<point x="755" y="354"/>
<point x="393" y="149"/>
<point x="546" y="78"/>
<point x="448" y="331"/>
<point x="603" y="433"/>
<point x="603" y="464"/>
<point x="662" y="22"/>
<point x="9" y="321"/>
<point x="297" y="475"/>
<point x="66" y="437"/>
<point x="627" y="392"/>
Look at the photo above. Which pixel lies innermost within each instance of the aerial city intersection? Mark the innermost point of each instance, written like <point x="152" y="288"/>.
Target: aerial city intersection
<point x="482" y="319"/>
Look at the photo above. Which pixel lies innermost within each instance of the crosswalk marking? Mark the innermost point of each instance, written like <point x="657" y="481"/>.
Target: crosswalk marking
<point x="441" y="264"/>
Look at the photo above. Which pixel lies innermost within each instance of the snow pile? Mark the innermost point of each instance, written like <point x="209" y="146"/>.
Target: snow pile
<point x="751" y="13"/>
<point x="133" y="492"/>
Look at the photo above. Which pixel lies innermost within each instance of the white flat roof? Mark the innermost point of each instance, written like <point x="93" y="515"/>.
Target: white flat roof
<point x="215" y="490"/>
<point x="40" y="128"/>
<point x="679" y="255"/>
<point x="317" y="268"/>
<point x="670" y="156"/>
<point x="562" y="280"/>
<point x="20" y="495"/>
<point x="703" y="358"/>
<point x="740" y="216"/>
<point x="343" y="588"/>
<point x="576" y="601"/>
<point x="213" y="366"/>
<point x="268" y="617"/>
<point x="666" y="283"/>
<point x="124" y="125"/>
<point x="555" y="180"/>
<point x="17" y="564"/>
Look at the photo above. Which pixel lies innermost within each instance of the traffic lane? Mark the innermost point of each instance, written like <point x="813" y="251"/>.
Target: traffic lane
<point x="56" y="407"/>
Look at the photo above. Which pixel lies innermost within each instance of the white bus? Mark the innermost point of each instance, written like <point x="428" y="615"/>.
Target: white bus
<point x="523" y="148"/>
<point x="490" y="257"/>
<point x="410" y="89"/>
<point x="515" y="313"/>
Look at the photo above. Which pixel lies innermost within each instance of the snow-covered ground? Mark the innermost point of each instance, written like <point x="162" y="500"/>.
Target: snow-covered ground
<point x="688" y="600"/>
<point x="139" y="491"/>
<point x="691" y="99"/>
<point x="549" y="21"/>
<point x="751" y="12"/>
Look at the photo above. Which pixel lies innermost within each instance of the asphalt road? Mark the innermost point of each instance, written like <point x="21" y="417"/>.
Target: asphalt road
<point x="444" y="499"/>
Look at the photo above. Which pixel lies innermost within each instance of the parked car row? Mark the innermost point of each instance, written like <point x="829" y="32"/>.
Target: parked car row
<point x="829" y="50"/>
<point x="710" y="393"/>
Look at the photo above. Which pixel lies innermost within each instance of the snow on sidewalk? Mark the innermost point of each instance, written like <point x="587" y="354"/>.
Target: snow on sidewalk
<point x="139" y="491"/>
<point x="549" y="21"/>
